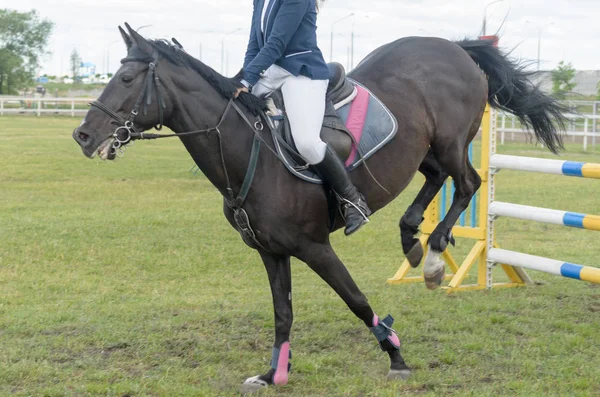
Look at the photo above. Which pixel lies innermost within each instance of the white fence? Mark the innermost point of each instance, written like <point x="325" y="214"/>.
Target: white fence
<point x="583" y="125"/>
<point x="583" y="128"/>
<point x="38" y="106"/>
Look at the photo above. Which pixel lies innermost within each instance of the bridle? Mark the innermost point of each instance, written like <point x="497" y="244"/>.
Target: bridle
<point x="127" y="132"/>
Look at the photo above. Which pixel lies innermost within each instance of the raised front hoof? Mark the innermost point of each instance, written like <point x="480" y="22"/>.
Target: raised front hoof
<point x="415" y="255"/>
<point x="253" y="385"/>
<point x="435" y="280"/>
<point x="398" y="374"/>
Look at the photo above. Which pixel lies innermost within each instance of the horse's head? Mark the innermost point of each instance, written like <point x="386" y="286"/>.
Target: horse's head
<point x="132" y="102"/>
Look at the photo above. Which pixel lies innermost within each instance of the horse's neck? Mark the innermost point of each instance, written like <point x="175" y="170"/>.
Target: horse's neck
<point x="198" y="106"/>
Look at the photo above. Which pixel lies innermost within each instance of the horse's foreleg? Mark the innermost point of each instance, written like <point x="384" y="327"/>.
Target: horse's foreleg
<point x="322" y="259"/>
<point x="413" y="217"/>
<point x="280" y="279"/>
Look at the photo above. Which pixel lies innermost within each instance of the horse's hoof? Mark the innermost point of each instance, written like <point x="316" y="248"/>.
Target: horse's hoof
<point x="415" y="255"/>
<point x="435" y="280"/>
<point x="253" y="385"/>
<point x="401" y="374"/>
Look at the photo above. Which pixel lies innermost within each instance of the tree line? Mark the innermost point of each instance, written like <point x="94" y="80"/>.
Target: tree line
<point x="562" y="81"/>
<point x="23" y="42"/>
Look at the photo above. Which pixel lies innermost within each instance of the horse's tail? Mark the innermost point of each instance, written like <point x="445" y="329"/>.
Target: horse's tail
<point x="511" y="89"/>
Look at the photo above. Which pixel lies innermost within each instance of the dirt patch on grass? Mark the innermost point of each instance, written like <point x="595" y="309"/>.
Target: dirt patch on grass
<point x="594" y="307"/>
<point x="180" y="347"/>
<point x="115" y="347"/>
<point x="434" y="364"/>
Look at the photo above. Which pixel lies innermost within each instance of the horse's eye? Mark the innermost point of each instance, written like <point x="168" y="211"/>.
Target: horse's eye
<point x="127" y="79"/>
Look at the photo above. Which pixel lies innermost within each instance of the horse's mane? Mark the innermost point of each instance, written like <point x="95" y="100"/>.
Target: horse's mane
<point x="225" y="86"/>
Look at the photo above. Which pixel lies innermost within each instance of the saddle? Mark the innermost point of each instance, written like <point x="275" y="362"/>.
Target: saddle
<point x="355" y="126"/>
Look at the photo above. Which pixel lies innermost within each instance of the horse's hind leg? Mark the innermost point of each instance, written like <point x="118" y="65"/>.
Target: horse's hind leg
<point x="322" y="259"/>
<point x="466" y="180"/>
<point x="435" y="177"/>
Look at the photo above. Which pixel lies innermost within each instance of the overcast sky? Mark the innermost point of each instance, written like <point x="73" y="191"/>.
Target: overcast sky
<point x="569" y="29"/>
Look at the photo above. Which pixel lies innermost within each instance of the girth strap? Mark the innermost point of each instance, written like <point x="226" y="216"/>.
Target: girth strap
<point x="250" y="172"/>
<point x="235" y="203"/>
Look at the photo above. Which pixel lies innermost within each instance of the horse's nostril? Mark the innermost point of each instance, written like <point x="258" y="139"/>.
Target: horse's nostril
<point x="83" y="136"/>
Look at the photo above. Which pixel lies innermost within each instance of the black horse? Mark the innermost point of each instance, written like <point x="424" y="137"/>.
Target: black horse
<point x="436" y="89"/>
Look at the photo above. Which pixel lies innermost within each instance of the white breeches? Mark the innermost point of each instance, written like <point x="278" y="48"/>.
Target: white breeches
<point x="305" y="107"/>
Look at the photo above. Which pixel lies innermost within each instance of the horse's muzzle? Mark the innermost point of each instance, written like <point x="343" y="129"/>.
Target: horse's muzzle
<point x="90" y="146"/>
<point x="85" y="141"/>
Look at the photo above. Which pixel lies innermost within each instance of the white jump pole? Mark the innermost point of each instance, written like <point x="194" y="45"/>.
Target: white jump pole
<point x="565" y="269"/>
<point x="558" y="167"/>
<point x="537" y="214"/>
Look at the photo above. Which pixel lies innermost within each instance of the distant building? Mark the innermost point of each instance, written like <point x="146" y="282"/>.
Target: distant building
<point x="87" y="69"/>
<point x="586" y="80"/>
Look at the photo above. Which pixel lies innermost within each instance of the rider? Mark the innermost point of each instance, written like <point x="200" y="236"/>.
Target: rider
<point x="283" y="54"/>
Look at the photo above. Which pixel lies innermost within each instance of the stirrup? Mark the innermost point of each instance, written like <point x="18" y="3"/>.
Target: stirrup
<point x="362" y="211"/>
<point x="360" y="216"/>
<point x="345" y="204"/>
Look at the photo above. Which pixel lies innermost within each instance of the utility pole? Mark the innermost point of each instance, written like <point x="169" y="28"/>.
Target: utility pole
<point x="332" y="27"/>
<point x="484" y="28"/>
<point x="223" y="48"/>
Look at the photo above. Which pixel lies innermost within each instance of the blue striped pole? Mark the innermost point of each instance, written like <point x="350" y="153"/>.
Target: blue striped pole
<point x="556" y="217"/>
<point x="565" y="269"/>
<point x="558" y="167"/>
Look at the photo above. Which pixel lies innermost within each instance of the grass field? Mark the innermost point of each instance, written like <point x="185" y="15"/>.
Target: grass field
<point x="124" y="279"/>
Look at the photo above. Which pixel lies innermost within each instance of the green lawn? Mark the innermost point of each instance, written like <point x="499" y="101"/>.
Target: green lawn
<point x="123" y="279"/>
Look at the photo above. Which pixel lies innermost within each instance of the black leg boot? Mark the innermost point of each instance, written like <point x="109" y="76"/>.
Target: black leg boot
<point x="356" y="210"/>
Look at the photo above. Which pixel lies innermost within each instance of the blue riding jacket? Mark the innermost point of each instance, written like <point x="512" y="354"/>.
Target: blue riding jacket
<point x="288" y="39"/>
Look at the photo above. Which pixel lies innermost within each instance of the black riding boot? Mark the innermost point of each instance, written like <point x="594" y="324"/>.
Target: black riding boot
<point x="356" y="210"/>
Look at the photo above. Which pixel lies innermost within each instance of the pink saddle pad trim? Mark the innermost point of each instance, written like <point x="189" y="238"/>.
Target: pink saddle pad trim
<point x="356" y="120"/>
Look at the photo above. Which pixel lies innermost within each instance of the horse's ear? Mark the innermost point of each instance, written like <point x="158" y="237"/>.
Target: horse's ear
<point x="126" y="38"/>
<point x="141" y="42"/>
<point x="177" y="43"/>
